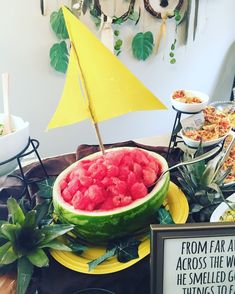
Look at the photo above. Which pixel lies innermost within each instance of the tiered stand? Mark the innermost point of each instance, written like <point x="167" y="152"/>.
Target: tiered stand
<point x="30" y="148"/>
<point x="176" y="128"/>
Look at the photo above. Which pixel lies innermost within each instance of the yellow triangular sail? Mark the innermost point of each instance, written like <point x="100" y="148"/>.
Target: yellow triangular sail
<point x="72" y="107"/>
<point x="110" y="88"/>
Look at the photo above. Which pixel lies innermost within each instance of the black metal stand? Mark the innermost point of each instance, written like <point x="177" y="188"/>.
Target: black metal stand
<point x="30" y="148"/>
<point x="175" y="130"/>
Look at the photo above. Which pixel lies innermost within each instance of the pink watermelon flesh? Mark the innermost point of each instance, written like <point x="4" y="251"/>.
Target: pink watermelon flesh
<point x="109" y="181"/>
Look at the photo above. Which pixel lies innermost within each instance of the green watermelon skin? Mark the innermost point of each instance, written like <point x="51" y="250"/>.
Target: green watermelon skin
<point x="107" y="225"/>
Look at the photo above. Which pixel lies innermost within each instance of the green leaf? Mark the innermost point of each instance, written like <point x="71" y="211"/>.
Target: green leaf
<point x="164" y="216"/>
<point x="118" y="43"/>
<point x="142" y="45"/>
<point x="30" y="220"/>
<point x="127" y="249"/>
<point x="10" y="231"/>
<point x="116" y="33"/>
<point x="134" y="16"/>
<point x="7" y="254"/>
<point x="15" y="212"/>
<point x="195" y="208"/>
<point x="59" y="57"/>
<point x="173" y="47"/>
<point x="58" y="24"/>
<point x="57" y="245"/>
<point x="55" y="231"/>
<point x="38" y="258"/>
<point x="172" y="55"/>
<point x="42" y="211"/>
<point x="46" y="187"/>
<point x="24" y="274"/>
<point x="92" y="264"/>
<point x="173" y="61"/>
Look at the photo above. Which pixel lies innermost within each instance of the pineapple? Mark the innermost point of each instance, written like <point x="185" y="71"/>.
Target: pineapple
<point x="204" y="183"/>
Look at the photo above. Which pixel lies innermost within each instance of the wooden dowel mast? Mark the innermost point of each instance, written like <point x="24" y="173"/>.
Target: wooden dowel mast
<point x="87" y="96"/>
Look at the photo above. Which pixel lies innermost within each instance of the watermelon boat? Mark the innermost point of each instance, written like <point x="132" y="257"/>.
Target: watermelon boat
<point x="106" y="196"/>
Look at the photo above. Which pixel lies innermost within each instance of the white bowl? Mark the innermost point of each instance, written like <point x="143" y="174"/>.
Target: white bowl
<point x="13" y="143"/>
<point x="221" y="209"/>
<point x="190" y="108"/>
<point x="193" y="143"/>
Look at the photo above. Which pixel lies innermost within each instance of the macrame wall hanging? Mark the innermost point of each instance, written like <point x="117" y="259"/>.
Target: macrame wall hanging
<point x="166" y="15"/>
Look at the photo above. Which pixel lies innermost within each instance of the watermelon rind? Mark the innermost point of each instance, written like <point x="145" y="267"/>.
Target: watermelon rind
<point x="101" y="226"/>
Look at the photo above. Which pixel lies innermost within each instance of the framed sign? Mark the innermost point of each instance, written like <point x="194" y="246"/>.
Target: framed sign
<point x="193" y="258"/>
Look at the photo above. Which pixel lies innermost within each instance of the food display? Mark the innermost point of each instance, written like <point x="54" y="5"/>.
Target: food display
<point x="230" y="161"/>
<point x="228" y="216"/>
<point x="185" y="97"/>
<point x="227" y="108"/>
<point x="189" y="101"/>
<point x="216" y="125"/>
<point x="106" y="196"/>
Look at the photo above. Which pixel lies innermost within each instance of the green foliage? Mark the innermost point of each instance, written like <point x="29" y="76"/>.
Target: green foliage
<point x="172" y="54"/>
<point x="125" y="249"/>
<point x="164" y="217"/>
<point x="58" y="25"/>
<point x="59" y="57"/>
<point x="142" y="45"/>
<point x="46" y="187"/>
<point x="203" y="183"/>
<point x="24" y="240"/>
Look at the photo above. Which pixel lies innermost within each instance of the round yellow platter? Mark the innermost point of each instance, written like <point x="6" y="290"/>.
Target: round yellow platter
<point x="176" y="203"/>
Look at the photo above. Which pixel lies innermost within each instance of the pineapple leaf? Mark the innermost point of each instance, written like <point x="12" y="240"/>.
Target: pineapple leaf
<point x="15" y="212"/>
<point x="7" y="254"/>
<point x="52" y="232"/>
<point x="195" y="208"/>
<point x="38" y="258"/>
<point x="24" y="274"/>
<point x="56" y="244"/>
<point x="10" y="231"/>
<point x="42" y="211"/>
<point x="30" y="220"/>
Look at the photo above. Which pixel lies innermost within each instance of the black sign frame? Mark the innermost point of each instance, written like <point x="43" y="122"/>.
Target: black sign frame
<point x="160" y="233"/>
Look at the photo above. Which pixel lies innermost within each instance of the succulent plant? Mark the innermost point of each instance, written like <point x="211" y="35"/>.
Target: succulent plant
<point x="203" y="183"/>
<point x="23" y="241"/>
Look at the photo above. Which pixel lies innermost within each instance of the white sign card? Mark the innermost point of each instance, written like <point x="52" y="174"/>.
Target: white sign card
<point x="193" y="259"/>
<point x="193" y="122"/>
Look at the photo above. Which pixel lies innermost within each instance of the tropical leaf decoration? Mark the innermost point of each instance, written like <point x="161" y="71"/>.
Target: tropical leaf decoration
<point x="24" y="240"/>
<point x="58" y="24"/>
<point x="142" y="45"/>
<point x="59" y="57"/>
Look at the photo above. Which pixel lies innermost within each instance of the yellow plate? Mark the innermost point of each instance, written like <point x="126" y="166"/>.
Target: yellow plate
<point x="177" y="204"/>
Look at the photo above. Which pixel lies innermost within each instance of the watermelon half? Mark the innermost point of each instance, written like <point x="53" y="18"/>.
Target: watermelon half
<point x="103" y="225"/>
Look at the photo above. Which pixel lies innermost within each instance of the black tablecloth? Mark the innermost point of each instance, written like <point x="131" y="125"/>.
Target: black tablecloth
<point x="57" y="279"/>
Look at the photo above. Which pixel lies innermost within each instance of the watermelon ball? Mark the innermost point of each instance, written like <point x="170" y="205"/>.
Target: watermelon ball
<point x="138" y="190"/>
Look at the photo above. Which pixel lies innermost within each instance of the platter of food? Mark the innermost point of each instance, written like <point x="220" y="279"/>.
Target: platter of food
<point x="227" y="108"/>
<point x="189" y="100"/>
<point x="225" y="212"/>
<point x="213" y="129"/>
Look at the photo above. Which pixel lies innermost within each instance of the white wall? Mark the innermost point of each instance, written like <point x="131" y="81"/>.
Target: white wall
<point x="207" y="65"/>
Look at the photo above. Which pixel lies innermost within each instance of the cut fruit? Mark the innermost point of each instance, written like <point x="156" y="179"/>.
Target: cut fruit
<point x="116" y="202"/>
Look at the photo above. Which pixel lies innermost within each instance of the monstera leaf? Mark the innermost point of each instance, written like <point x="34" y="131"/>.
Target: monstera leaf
<point x="58" y="24"/>
<point x="142" y="45"/>
<point x="59" y="57"/>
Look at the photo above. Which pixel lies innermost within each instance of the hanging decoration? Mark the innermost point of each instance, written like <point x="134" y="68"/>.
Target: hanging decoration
<point x="166" y="9"/>
<point x="143" y="43"/>
<point x="106" y="23"/>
